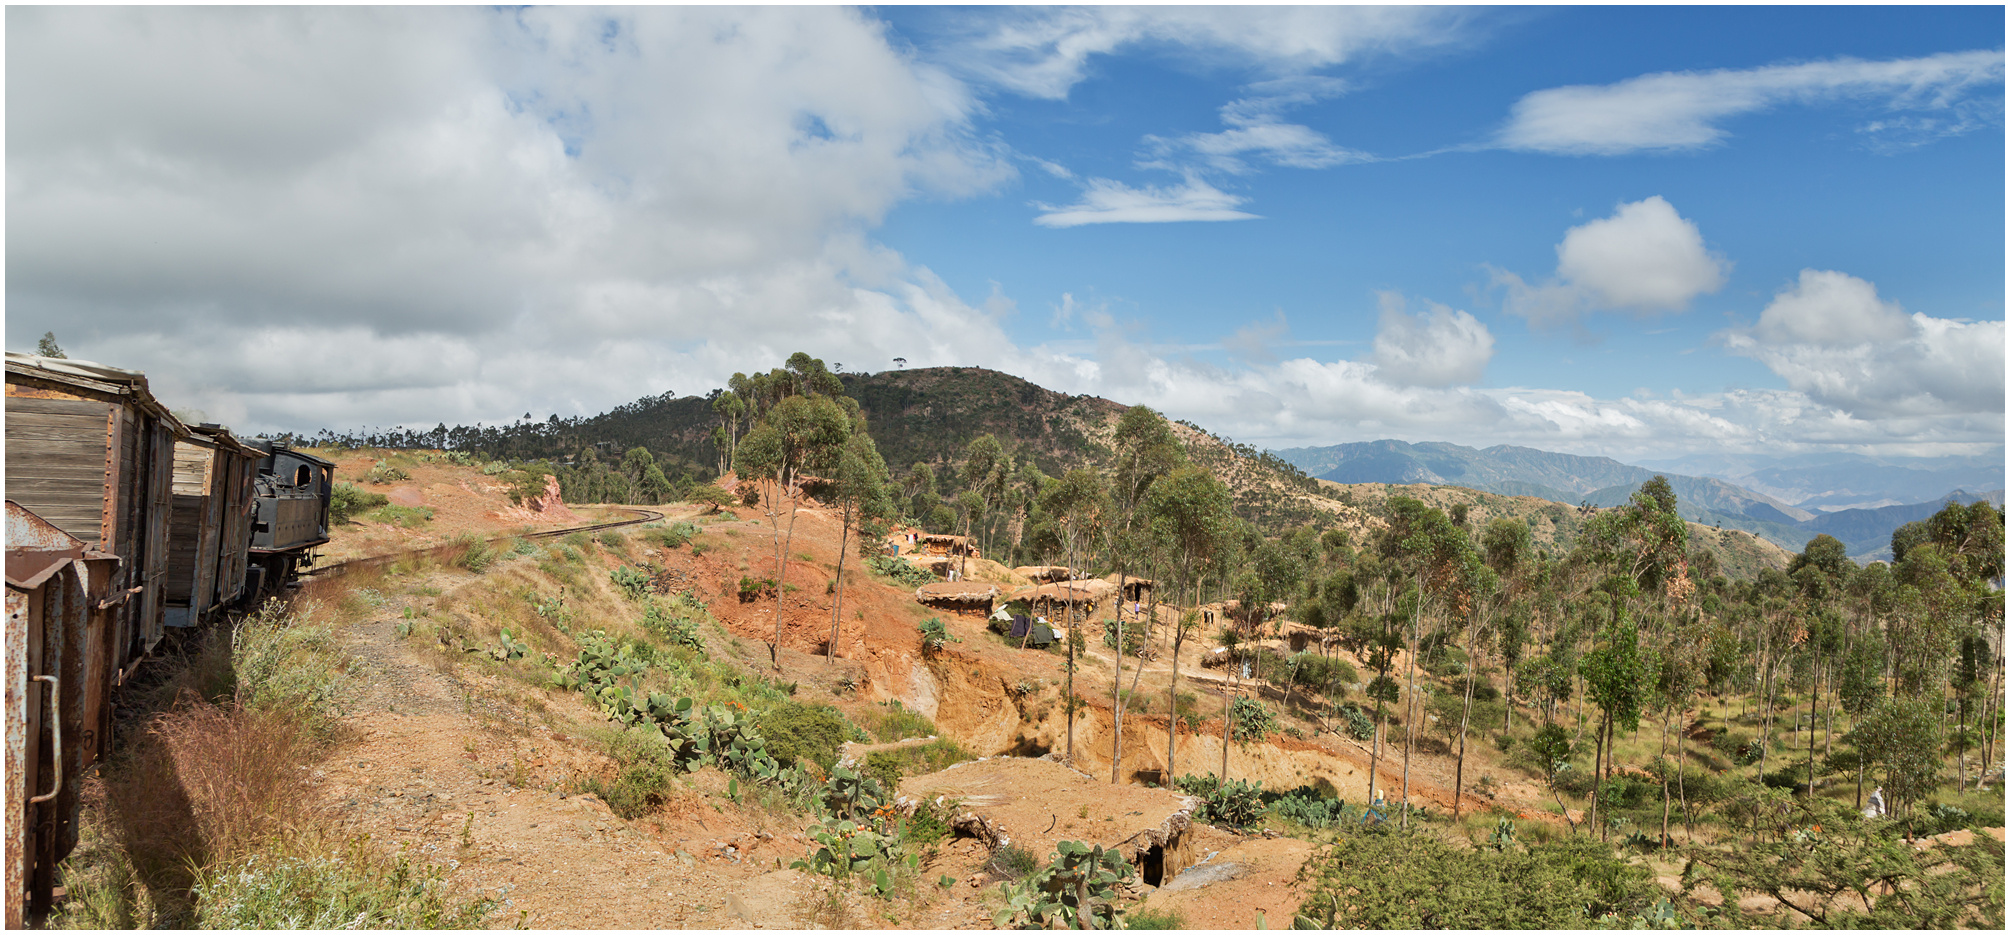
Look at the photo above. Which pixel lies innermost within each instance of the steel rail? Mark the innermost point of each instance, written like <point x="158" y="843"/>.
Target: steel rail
<point x="344" y="567"/>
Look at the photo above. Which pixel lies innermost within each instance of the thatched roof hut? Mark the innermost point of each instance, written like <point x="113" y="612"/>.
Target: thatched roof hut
<point x="1135" y="588"/>
<point x="1047" y="572"/>
<point x="1078" y="593"/>
<point x="965" y="597"/>
<point x="936" y="543"/>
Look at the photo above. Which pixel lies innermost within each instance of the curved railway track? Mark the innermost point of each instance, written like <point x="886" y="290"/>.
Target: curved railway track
<point x="377" y="561"/>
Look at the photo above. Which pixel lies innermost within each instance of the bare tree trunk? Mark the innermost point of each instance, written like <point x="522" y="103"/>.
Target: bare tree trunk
<point x="1225" y="705"/>
<point x="1664" y="779"/>
<point x="1598" y="774"/>
<point x="775" y="651"/>
<point x="1410" y="707"/>
<point x="837" y="604"/>
<point x="1681" y="784"/>
<point x="1172" y="701"/>
<point x="1465" y="715"/>
<point x="1117" y="687"/>
<point x="1070" y="618"/>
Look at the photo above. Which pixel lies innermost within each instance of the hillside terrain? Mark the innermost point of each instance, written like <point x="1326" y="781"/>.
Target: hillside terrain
<point x="462" y="737"/>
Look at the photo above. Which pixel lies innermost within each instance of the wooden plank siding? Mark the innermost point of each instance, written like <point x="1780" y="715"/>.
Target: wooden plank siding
<point x="56" y="462"/>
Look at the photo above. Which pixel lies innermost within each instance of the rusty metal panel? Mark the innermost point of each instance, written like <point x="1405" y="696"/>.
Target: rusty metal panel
<point x="20" y="606"/>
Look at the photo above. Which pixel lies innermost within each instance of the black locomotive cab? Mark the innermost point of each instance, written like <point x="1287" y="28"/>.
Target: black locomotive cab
<point x="293" y="492"/>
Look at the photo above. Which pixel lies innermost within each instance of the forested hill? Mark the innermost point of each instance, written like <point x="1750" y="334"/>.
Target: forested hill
<point x="931" y="416"/>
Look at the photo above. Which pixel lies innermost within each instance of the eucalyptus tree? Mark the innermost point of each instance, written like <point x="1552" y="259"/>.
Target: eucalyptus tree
<point x="800" y="434"/>
<point x="981" y="459"/>
<point x="1616" y="672"/>
<point x="1484" y="587"/>
<point x="859" y="490"/>
<point x="730" y="408"/>
<point x="1444" y="565"/>
<point x="1079" y="504"/>
<point x="1189" y="515"/>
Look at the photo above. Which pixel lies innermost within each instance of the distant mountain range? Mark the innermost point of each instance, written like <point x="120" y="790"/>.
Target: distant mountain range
<point x="1847" y="481"/>
<point x="1512" y="470"/>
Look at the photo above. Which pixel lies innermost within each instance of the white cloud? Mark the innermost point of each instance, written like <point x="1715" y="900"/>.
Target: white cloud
<point x="1256" y="128"/>
<point x="1106" y="201"/>
<point x="1644" y="259"/>
<point x="351" y="214"/>
<point x="1831" y="337"/>
<point x="1437" y="347"/>
<point x="1045" y="51"/>
<point x="1684" y="110"/>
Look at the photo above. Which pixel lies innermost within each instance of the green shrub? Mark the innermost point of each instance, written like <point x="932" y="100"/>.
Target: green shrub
<point x="752" y="589"/>
<point x="1415" y="880"/>
<point x="891" y="766"/>
<point x="673" y="630"/>
<point x="355" y="887"/>
<point x="348" y="500"/>
<point x="284" y="662"/>
<point x="669" y="537"/>
<point x="1134" y="637"/>
<point x="1307" y="806"/>
<point x="1236" y="803"/>
<point x="1357" y="723"/>
<point x="1154" y="919"/>
<point x="900" y="570"/>
<point x="1012" y="862"/>
<point x="1254" y="720"/>
<point x="410" y="517"/>
<point x="384" y="473"/>
<point x="614" y="539"/>
<point x="891" y="721"/>
<point x="795" y="732"/>
<point x="633" y="582"/>
<point x="934" y="634"/>
<point x="472" y="553"/>
<point x="928" y="825"/>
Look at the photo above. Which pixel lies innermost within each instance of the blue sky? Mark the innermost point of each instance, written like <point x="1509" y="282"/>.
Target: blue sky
<point x="1641" y="232"/>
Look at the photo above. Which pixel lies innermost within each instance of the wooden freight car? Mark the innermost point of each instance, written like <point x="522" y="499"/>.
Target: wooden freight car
<point x="91" y="451"/>
<point x="209" y="531"/>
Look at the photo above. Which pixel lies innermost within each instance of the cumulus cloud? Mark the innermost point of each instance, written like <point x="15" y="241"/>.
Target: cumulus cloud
<point x="1107" y="201"/>
<point x="1437" y="347"/>
<point x="1831" y="337"/>
<point x="1045" y="51"/>
<point x="1671" y="111"/>
<point x="1645" y="259"/>
<point x="325" y="208"/>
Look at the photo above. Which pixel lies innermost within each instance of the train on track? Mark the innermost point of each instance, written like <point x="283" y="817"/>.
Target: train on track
<point x="122" y="523"/>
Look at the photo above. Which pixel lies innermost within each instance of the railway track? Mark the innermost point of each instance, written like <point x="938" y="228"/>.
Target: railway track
<point x="377" y="561"/>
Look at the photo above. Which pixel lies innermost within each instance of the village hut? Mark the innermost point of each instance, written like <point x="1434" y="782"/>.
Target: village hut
<point x="936" y="543"/>
<point x="1046" y="573"/>
<point x="1300" y="636"/>
<point x="1136" y="589"/>
<point x="1055" y="599"/>
<point x="972" y="598"/>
